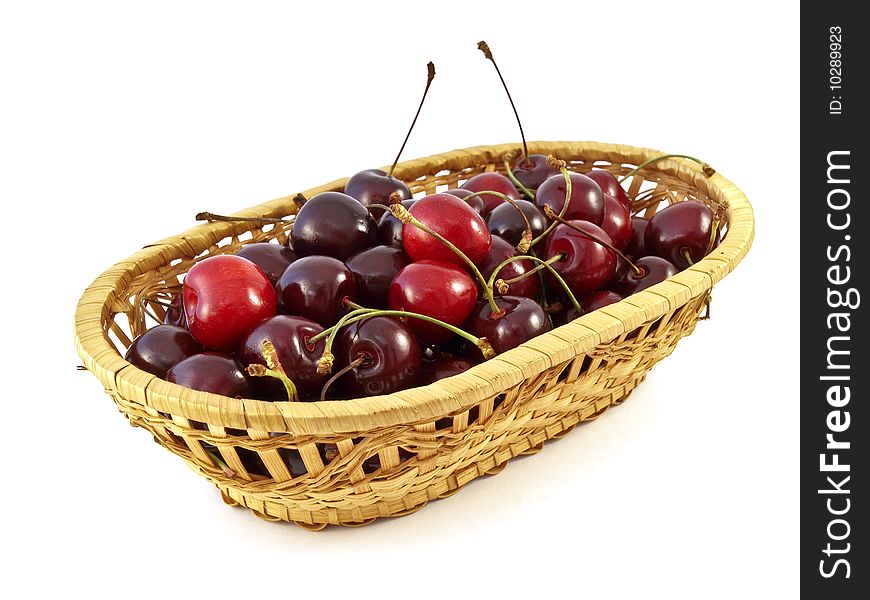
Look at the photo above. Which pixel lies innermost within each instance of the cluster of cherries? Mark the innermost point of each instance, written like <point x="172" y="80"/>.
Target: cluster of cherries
<point x="375" y="292"/>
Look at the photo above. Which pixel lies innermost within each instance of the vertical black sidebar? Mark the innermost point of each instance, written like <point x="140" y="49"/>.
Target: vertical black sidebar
<point x="835" y="234"/>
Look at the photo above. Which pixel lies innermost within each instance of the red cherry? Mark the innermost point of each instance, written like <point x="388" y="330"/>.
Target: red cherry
<point x="271" y="258"/>
<point x="213" y="372"/>
<point x="374" y="270"/>
<point x="476" y="203"/>
<point x="533" y="170"/>
<point x="610" y="185"/>
<point x="315" y="287"/>
<point x="586" y="203"/>
<point x="161" y="348"/>
<point x="587" y="265"/>
<point x="491" y="182"/>
<point x="374" y="186"/>
<point x="453" y="219"/>
<point x="680" y="230"/>
<point x="636" y="247"/>
<point x="616" y="222"/>
<point x="298" y="356"/>
<point x="436" y="289"/>
<point x="224" y="297"/>
<point x="522" y="320"/>
<point x="502" y="250"/>
<point x="653" y="270"/>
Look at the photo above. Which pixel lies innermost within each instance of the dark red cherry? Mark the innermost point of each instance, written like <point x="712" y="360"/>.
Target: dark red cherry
<point x="491" y="182"/>
<point x="315" y="287"/>
<point x="505" y="221"/>
<point x="587" y="199"/>
<point x="298" y="356"/>
<point x="533" y="170"/>
<point x="502" y="250"/>
<point x="653" y="270"/>
<point x="599" y="299"/>
<point x="616" y="222"/>
<point x="390" y="228"/>
<point x="522" y="320"/>
<point x="213" y="372"/>
<point x="161" y="348"/>
<point x="174" y="314"/>
<point x="443" y="367"/>
<point x="333" y="224"/>
<point x="271" y="258"/>
<point x="680" y="232"/>
<point x="374" y="186"/>
<point x="374" y="270"/>
<point x="436" y="289"/>
<point x="587" y="265"/>
<point x="610" y="185"/>
<point x="476" y="203"/>
<point x="224" y="297"/>
<point x="453" y="219"/>
<point x="636" y="247"/>
<point x="390" y="353"/>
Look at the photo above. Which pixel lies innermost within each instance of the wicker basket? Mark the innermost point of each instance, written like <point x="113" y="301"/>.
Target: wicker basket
<point x="351" y="462"/>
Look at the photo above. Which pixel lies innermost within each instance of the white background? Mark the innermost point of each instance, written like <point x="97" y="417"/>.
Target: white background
<point x="118" y="123"/>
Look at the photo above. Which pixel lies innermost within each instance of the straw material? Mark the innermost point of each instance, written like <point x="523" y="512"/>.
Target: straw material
<point x="354" y="461"/>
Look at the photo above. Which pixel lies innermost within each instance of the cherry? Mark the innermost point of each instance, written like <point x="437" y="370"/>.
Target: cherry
<point x="502" y="250"/>
<point x="586" y="203"/>
<point x="298" y="356"/>
<point x="533" y="170"/>
<point x="388" y="353"/>
<point x="680" y="233"/>
<point x="161" y="348"/>
<point x="437" y="289"/>
<point x="616" y="221"/>
<point x="315" y="287"/>
<point x="610" y="185"/>
<point x="213" y="372"/>
<point x="492" y="182"/>
<point x="224" y="297"/>
<point x="374" y="270"/>
<point x="333" y="224"/>
<point x="586" y="265"/>
<point x="636" y="246"/>
<point x="505" y="221"/>
<point x="174" y="314"/>
<point x="653" y="269"/>
<point x="374" y="186"/>
<point x="390" y="228"/>
<point x="271" y="258"/>
<point x="445" y="366"/>
<point x="453" y="219"/>
<point x="599" y="299"/>
<point x="476" y="203"/>
<point x="522" y="320"/>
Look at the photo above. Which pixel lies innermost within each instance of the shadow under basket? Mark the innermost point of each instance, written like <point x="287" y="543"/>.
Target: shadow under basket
<point x="351" y="462"/>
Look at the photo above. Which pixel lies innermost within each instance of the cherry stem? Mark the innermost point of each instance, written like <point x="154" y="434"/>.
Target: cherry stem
<point x="556" y="218"/>
<point x="430" y="68"/>
<point x="707" y="169"/>
<point x="563" y="168"/>
<point x="348" y="303"/>
<point x="542" y="264"/>
<point x="349" y="319"/>
<point x="510" y="173"/>
<point x="344" y="371"/>
<point x="688" y="256"/>
<point x="211" y="217"/>
<point x="484" y="47"/>
<point x="401" y="213"/>
<point x="526" y="239"/>
<point x="273" y="368"/>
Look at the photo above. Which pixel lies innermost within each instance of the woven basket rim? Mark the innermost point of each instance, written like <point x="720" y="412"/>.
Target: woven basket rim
<point x="441" y="398"/>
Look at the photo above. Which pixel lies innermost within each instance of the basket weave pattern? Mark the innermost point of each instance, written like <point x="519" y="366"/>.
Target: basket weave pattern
<point x="428" y="441"/>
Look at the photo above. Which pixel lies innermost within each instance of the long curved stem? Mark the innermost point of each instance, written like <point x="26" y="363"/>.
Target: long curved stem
<point x="542" y="264"/>
<point x="350" y="367"/>
<point x="708" y="170"/>
<point x="430" y="69"/>
<point x="563" y="168"/>
<point x="484" y="47"/>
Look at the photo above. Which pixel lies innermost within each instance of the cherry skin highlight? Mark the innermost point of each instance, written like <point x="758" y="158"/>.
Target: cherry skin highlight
<point x="315" y="287"/>
<point x="678" y="230"/>
<point x="271" y="258"/>
<point x="491" y="182"/>
<point x="636" y="247"/>
<point x="298" y="356"/>
<point x="506" y="221"/>
<point x="587" y="265"/>
<point x="586" y="203"/>
<point x="161" y="348"/>
<point x="390" y="352"/>
<point x="224" y="297"/>
<point x="374" y="186"/>
<point x="213" y="372"/>
<point x="456" y="221"/>
<point x="374" y="270"/>
<point x="436" y="289"/>
<point x="616" y="222"/>
<point x="522" y="320"/>
<point x="610" y="186"/>
<point x="333" y="224"/>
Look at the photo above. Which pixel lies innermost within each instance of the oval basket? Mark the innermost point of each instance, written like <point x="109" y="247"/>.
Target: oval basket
<point x="351" y="462"/>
